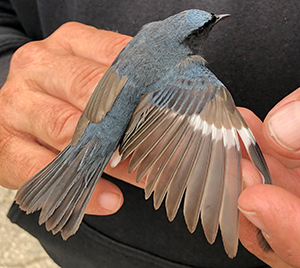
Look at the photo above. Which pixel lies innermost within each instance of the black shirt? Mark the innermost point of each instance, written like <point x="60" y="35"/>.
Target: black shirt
<point x="255" y="53"/>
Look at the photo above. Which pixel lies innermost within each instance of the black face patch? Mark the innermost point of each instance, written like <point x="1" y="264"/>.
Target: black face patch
<point x="214" y="18"/>
<point x="195" y="38"/>
<point x="206" y="26"/>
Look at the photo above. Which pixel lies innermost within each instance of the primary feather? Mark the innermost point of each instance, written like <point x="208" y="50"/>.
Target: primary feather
<point x="161" y="106"/>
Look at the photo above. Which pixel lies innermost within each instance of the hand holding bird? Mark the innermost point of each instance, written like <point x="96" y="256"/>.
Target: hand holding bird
<point x="41" y="129"/>
<point x="182" y="128"/>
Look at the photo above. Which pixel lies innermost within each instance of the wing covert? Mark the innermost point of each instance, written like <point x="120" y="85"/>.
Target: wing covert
<point x="100" y="102"/>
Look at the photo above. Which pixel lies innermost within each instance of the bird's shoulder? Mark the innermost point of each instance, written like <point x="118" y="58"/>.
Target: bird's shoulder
<point x="190" y="73"/>
<point x="189" y="81"/>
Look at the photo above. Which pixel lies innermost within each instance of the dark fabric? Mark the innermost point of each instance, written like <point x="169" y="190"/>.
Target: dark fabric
<point x="255" y="53"/>
<point x="11" y="37"/>
<point x="4" y="63"/>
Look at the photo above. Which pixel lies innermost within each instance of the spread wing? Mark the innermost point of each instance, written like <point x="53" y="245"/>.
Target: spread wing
<point x="184" y="139"/>
<point x="100" y="101"/>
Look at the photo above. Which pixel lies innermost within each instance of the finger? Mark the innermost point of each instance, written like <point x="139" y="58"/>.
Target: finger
<point x="20" y="158"/>
<point x="250" y="174"/>
<point x="281" y="126"/>
<point x="248" y="237"/>
<point x="88" y="42"/>
<point x="49" y="119"/>
<point x="107" y="199"/>
<point x="256" y="127"/>
<point x="274" y="211"/>
<point x="284" y="177"/>
<point x="63" y="76"/>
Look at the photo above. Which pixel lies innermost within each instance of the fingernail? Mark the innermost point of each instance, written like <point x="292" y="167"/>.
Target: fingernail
<point x="110" y="201"/>
<point x="284" y="126"/>
<point x="257" y="221"/>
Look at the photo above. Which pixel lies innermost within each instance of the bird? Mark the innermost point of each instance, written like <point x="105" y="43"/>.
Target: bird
<point x="159" y="105"/>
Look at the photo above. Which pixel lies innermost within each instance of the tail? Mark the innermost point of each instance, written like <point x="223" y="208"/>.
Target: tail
<point x="64" y="187"/>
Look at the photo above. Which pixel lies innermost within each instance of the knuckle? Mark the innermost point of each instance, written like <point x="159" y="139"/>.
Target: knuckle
<point x="35" y="166"/>
<point x="59" y="127"/>
<point x="114" y="45"/>
<point x="67" y="28"/>
<point x="64" y="36"/>
<point x="27" y="55"/>
<point x="83" y="83"/>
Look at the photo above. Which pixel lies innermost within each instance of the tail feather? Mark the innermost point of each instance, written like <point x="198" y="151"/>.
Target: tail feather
<point x="32" y="195"/>
<point x="74" y="221"/>
<point x="64" y="187"/>
<point x="62" y="213"/>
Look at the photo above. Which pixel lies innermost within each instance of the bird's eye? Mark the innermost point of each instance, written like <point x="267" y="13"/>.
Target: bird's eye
<point x="200" y="31"/>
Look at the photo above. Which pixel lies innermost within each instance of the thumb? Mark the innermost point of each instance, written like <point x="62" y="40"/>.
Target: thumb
<point x="281" y="126"/>
<point x="276" y="212"/>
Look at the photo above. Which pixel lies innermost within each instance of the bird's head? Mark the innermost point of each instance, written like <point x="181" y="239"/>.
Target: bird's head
<point x="198" y="24"/>
<point x="188" y="30"/>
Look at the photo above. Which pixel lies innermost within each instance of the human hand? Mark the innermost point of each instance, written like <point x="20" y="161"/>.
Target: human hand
<point x="48" y="86"/>
<point x="275" y="209"/>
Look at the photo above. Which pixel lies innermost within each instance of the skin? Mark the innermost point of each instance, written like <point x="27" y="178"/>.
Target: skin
<point x="48" y="86"/>
<point x="276" y="207"/>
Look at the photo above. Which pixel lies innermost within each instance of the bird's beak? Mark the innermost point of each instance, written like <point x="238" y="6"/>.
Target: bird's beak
<point x="220" y="17"/>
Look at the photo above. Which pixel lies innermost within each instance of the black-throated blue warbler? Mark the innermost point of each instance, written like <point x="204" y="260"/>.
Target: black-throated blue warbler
<point x="161" y="105"/>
